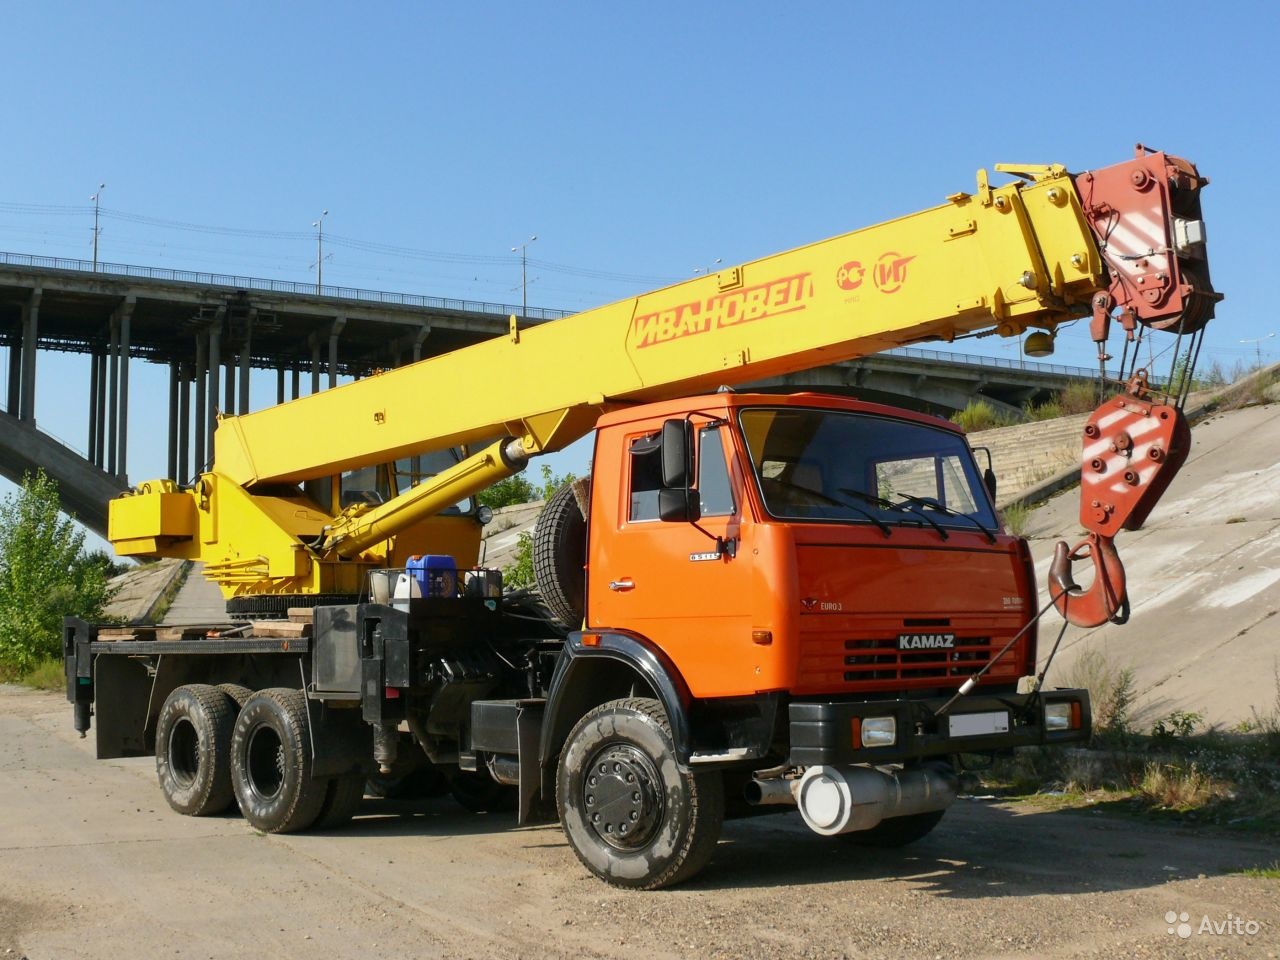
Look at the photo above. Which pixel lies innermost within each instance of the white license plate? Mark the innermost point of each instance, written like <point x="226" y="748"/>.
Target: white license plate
<point x="977" y="724"/>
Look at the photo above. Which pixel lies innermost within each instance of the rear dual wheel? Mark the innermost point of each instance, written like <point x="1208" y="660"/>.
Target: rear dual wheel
<point x="271" y="763"/>
<point x="193" y="742"/>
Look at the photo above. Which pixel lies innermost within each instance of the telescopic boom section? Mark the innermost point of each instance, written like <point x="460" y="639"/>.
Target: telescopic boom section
<point x="1035" y="252"/>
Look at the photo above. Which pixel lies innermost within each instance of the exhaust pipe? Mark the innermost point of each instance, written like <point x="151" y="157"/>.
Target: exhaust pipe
<point x="775" y="791"/>
<point x="836" y="800"/>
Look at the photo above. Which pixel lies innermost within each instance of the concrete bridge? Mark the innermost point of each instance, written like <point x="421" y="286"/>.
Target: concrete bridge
<point x="211" y="330"/>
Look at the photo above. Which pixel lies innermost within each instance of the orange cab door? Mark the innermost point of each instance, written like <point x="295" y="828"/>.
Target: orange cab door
<point x="668" y="581"/>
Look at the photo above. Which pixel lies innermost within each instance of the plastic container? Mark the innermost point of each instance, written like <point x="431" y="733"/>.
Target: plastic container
<point x="436" y="575"/>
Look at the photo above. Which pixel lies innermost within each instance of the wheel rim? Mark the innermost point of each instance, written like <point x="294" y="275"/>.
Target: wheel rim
<point x="622" y="796"/>
<point x="184" y="752"/>
<point x="265" y="762"/>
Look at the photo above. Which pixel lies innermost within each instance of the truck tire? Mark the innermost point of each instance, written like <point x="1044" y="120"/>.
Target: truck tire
<point x="560" y="555"/>
<point x="236" y="692"/>
<point x="630" y="814"/>
<point x="193" y="747"/>
<point x="342" y="798"/>
<point x="271" y="762"/>
<point x="896" y="831"/>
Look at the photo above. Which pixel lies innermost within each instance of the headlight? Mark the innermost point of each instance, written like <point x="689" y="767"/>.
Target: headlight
<point x="879" y="732"/>
<point x="484" y="515"/>
<point x="1057" y="716"/>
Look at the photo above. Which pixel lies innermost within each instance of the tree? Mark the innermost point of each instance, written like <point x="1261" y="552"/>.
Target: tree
<point x="518" y="489"/>
<point x="519" y="573"/>
<point x="45" y="575"/>
<point x="506" y="492"/>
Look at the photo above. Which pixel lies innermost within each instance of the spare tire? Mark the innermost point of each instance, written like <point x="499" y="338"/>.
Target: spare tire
<point x="560" y="553"/>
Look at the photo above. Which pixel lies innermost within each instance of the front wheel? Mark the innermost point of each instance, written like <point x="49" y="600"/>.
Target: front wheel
<point x="630" y="814"/>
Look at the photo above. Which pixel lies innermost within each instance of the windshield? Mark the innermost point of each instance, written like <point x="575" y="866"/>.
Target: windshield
<point x="859" y="468"/>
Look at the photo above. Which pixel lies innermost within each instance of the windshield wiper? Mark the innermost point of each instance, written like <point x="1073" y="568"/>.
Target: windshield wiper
<point x="818" y="494"/>
<point x="928" y="503"/>
<point x="898" y="508"/>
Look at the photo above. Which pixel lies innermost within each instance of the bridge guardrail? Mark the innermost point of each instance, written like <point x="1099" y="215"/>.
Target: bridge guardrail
<point x="278" y="286"/>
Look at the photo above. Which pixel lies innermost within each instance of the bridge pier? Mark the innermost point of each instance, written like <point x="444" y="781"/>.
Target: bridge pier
<point x="334" y="332"/>
<point x="314" y="342"/>
<point x="246" y="355"/>
<point x="199" y="376"/>
<point x="15" y="379"/>
<point x="185" y="376"/>
<point x="214" y="368"/>
<point x="125" y="312"/>
<point x="113" y="391"/>
<point x="30" y="336"/>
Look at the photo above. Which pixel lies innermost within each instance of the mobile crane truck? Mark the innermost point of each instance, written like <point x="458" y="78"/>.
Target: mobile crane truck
<point x="801" y="600"/>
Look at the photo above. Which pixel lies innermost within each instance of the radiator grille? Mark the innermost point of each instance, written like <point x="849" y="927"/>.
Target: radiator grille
<point x="880" y="659"/>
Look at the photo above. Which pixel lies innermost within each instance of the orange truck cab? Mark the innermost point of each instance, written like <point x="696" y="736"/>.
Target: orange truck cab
<point x="805" y="583"/>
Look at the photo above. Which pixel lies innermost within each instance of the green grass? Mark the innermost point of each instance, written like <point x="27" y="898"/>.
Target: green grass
<point x="1262" y="873"/>
<point x="1015" y="517"/>
<point x="979" y="415"/>
<point x="48" y="675"/>
<point x="1173" y="772"/>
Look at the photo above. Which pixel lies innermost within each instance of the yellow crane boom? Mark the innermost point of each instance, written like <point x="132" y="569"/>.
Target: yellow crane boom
<point x="1030" y="253"/>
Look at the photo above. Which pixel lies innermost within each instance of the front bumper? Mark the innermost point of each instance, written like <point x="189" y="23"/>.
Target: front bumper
<point x="828" y="731"/>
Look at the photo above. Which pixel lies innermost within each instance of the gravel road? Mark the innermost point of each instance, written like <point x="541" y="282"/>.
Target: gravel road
<point x="93" y="865"/>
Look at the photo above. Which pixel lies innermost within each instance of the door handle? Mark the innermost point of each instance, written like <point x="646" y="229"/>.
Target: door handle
<point x="627" y="584"/>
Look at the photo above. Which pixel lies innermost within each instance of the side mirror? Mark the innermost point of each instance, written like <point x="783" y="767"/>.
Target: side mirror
<point x="677" y="454"/>
<point x="679" y="505"/>
<point x="989" y="474"/>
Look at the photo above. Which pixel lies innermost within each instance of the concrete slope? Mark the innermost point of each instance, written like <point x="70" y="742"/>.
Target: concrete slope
<point x="139" y="591"/>
<point x="1204" y="578"/>
<point x="1026" y="454"/>
<point x="198" y="601"/>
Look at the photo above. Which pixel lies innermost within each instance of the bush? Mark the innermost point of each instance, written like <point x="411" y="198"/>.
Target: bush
<point x="1049" y="410"/>
<point x="45" y="575"/>
<point x="1079" y="397"/>
<point x="1110" y="689"/>
<point x="520" y="572"/>
<point x="979" y="415"/>
<point x="1178" y="786"/>
<point x="1015" y="517"/>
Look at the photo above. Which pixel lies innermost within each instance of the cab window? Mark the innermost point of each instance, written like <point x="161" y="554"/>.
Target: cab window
<point x="646" y="478"/>
<point x="714" y="492"/>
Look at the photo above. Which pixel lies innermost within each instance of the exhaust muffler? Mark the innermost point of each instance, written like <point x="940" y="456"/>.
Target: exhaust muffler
<point x="845" y="799"/>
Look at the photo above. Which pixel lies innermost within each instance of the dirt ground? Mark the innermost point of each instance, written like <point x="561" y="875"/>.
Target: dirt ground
<point x="93" y="864"/>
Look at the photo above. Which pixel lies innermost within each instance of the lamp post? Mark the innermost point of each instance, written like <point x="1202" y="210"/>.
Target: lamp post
<point x="96" y="229"/>
<point x="701" y="271"/>
<point x="1257" y="344"/>
<point x="319" y="264"/>
<point x="524" y="275"/>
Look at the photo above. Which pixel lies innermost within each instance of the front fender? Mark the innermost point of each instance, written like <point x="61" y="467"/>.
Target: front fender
<point x="596" y="671"/>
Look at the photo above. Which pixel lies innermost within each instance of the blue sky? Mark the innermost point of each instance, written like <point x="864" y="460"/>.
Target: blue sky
<point x="639" y="142"/>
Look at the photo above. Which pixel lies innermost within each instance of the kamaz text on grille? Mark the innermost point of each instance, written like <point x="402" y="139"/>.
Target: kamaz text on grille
<point x="926" y="641"/>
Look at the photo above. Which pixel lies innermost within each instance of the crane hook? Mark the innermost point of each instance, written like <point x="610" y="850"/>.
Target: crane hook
<point x="1106" y="600"/>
